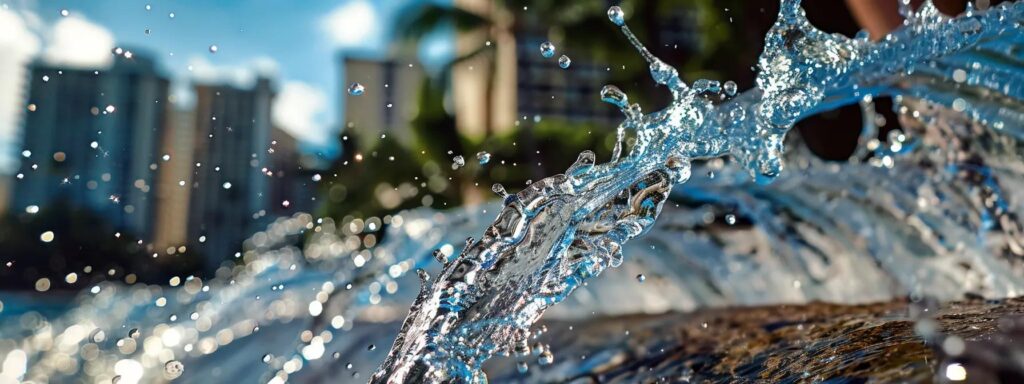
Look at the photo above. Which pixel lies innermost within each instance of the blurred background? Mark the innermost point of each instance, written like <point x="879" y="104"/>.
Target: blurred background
<point x="141" y="140"/>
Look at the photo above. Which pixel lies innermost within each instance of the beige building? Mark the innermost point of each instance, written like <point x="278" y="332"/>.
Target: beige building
<point x="484" y="95"/>
<point x="5" y="193"/>
<point x="390" y="102"/>
<point x="174" y="184"/>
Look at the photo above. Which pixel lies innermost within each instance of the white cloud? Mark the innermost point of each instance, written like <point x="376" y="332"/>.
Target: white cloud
<point x="242" y="75"/>
<point x="15" y="37"/>
<point x="205" y="72"/>
<point x="18" y="46"/>
<point x="299" y="110"/>
<point x="354" y="24"/>
<point x="78" y="43"/>
<point x="200" y="70"/>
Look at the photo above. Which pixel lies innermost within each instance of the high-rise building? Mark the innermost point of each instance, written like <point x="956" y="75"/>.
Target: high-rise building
<point x="230" y="191"/>
<point x="390" y="102"/>
<point x="493" y="90"/>
<point x="546" y="90"/>
<point x="484" y="93"/>
<point x="92" y="141"/>
<point x="174" y="184"/>
<point x="5" y="194"/>
<point x="292" y="184"/>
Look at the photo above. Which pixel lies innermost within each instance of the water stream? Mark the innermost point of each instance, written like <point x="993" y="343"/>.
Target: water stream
<point x="559" y="232"/>
<point x="929" y="212"/>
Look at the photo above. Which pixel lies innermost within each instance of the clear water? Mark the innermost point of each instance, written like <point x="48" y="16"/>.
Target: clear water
<point x="561" y="231"/>
<point x="929" y="212"/>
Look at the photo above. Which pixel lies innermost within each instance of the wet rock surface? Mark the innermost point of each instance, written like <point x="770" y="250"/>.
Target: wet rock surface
<point x="787" y="344"/>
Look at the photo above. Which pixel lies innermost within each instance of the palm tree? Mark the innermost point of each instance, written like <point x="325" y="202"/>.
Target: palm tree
<point x="486" y="42"/>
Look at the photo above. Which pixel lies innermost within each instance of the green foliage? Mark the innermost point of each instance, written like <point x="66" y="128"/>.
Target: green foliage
<point x="81" y="239"/>
<point x="539" y="150"/>
<point x="429" y="17"/>
<point x="531" y="150"/>
<point x="357" y="187"/>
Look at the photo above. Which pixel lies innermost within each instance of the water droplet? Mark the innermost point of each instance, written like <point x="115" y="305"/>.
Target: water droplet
<point x="171" y="15"/>
<point x="953" y="345"/>
<point x="613" y="95"/>
<point x="522" y="367"/>
<point x="267" y="358"/>
<point x="483" y="157"/>
<point x="730" y="88"/>
<point x="705" y="85"/>
<point x="43" y="284"/>
<point x="336" y="355"/>
<point x="458" y="162"/>
<point x="115" y="379"/>
<point x="97" y="336"/>
<point x="959" y="75"/>
<point x="356" y="89"/>
<point x="65" y="12"/>
<point x="134" y="333"/>
<point x="641" y="278"/>
<point x="956" y="372"/>
<point x="730" y="219"/>
<point x="686" y="375"/>
<point x="547" y="49"/>
<point x="499" y="190"/>
<point x="440" y="256"/>
<point x="213" y="48"/>
<point x="173" y="369"/>
<point x="46" y="237"/>
<point x="564" y="62"/>
<point x="546" y="358"/>
<point x="371" y="347"/>
<point x="616" y="15"/>
<point x="583" y="164"/>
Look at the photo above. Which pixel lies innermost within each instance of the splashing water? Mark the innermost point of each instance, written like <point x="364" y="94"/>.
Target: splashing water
<point x="837" y="232"/>
<point x="553" y="236"/>
<point x="547" y="49"/>
<point x="483" y="157"/>
<point x="564" y="62"/>
<point x="356" y="89"/>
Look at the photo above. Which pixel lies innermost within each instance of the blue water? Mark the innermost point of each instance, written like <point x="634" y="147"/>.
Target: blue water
<point x="931" y="211"/>
<point x="558" y="233"/>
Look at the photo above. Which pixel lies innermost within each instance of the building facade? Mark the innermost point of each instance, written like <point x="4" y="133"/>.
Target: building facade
<point x="389" y="104"/>
<point x="92" y="141"/>
<point x="230" y="191"/>
<point x="174" y="184"/>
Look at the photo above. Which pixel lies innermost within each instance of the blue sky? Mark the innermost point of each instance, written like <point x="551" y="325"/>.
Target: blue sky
<point x="300" y="41"/>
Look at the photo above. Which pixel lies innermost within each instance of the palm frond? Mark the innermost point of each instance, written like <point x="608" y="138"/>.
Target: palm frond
<point x="428" y="18"/>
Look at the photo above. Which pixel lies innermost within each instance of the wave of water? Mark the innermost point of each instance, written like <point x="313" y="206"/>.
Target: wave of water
<point x="563" y="230"/>
<point x="929" y="212"/>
